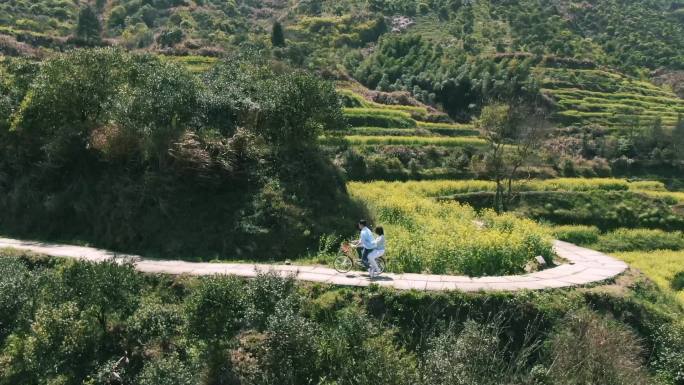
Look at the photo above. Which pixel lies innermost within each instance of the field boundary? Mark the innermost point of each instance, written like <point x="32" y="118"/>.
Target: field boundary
<point x="585" y="266"/>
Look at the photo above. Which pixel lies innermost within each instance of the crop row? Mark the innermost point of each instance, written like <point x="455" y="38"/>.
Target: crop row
<point x="379" y="131"/>
<point x="598" y="80"/>
<point x="359" y="101"/>
<point x="437" y="188"/>
<point x="195" y="64"/>
<point x="362" y="140"/>
<point x="616" y="96"/>
<point x="376" y="117"/>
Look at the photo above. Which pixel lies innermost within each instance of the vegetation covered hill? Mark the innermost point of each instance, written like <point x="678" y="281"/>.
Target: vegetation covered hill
<point x="624" y="33"/>
<point x="135" y="152"/>
<point x="451" y="54"/>
<point x="69" y="323"/>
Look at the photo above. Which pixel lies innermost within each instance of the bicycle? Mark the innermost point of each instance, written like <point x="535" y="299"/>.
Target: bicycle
<point x="347" y="259"/>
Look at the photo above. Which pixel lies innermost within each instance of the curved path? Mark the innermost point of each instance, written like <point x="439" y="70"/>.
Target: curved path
<point x="585" y="267"/>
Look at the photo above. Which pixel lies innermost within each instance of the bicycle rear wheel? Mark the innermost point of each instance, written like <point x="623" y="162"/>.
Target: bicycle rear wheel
<point x="381" y="264"/>
<point x="343" y="264"/>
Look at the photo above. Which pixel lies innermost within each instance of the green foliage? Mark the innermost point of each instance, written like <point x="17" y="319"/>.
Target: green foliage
<point x="605" y="210"/>
<point x="155" y="323"/>
<point x="62" y="342"/>
<point x="579" y="235"/>
<point x="216" y="309"/>
<point x="170" y="38"/>
<point x="678" y="281"/>
<point x="319" y="334"/>
<point x="375" y="140"/>
<point x="590" y="349"/>
<point x="151" y="142"/>
<point x="412" y="63"/>
<point x="16" y="289"/>
<point x="376" y="117"/>
<point x="88" y="26"/>
<point x="263" y="296"/>
<point x="168" y="370"/>
<point x="290" y="357"/>
<point x="472" y="355"/>
<point x="277" y="35"/>
<point x="641" y="240"/>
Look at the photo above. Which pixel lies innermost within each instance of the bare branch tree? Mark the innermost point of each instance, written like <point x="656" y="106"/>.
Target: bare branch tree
<point x="513" y="133"/>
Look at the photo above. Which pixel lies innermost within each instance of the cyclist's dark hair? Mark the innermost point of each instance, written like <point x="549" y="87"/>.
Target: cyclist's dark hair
<point x="363" y="222"/>
<point x="379" y="230"/>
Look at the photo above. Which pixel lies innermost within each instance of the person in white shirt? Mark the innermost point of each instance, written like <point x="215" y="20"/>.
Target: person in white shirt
<point x="365" y="244"/>
<point x="378" y="251"/>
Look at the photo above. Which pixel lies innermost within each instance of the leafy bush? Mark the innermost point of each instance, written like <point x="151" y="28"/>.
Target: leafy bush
<point x="155" y="323"/>
<point x="290" y="357"/>
<point x="580" y="235"/>
<point x="263" y="296"/>
<point x="168" y="370"/>
<point x="472" y="355"/>
<point x="16" y="288"/>
<point x="641" y="240"/>
<point x="678" y="281"/>
<point x="216" y="309"/>
<point x="587" y="348"/>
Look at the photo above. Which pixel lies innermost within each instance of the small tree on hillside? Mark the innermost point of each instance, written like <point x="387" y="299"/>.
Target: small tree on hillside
<point x="513" y="133"/>
<point x="678" y="139"/>
<point x="277" y="35"/>
<point x="88" y="27"/>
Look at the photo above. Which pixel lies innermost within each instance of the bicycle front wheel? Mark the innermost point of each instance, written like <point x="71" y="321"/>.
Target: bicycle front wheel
<point x="343" y="264"/>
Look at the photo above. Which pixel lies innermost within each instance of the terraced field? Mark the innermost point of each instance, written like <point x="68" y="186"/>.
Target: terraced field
<point x="402" y="141"/>
<point x="609" y="99"/>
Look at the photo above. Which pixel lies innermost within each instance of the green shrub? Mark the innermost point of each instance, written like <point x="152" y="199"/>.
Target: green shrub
<point x="356" y="350"/>
<point x="580" y="235"/>
<point x="290" y="354"/>
<point x="669" y="353"/>
<point x="16" y="293"/>
<point x="216" y="309"/>
<point x="641" y="240"/>
<point x="169" y="370"/>
<point x="678" y="281"/>
<point x="155" y="323"/>
<point x="263" y="295"/>
<point x="589" y="349"/>
<point x="472" y="355"/>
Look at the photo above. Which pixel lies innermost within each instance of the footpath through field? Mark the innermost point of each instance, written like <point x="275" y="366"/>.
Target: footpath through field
<point x="584" y="266"/>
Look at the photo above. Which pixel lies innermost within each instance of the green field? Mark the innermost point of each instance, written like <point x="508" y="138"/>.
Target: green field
<point x="358" y="140"/>
<point x="609" y="99"/>
<point x="660" y="266"/>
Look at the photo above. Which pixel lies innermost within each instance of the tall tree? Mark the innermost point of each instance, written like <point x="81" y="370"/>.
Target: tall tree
<point x="278" y="35"/>
<point x="678" y="139"/>
<point x="513" y="132"/>
<point x="88" y="27"/>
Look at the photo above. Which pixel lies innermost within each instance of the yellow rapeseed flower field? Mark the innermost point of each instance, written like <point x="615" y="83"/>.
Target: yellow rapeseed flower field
<point x="660" y="266"/>
<point x="428" y="235"/>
